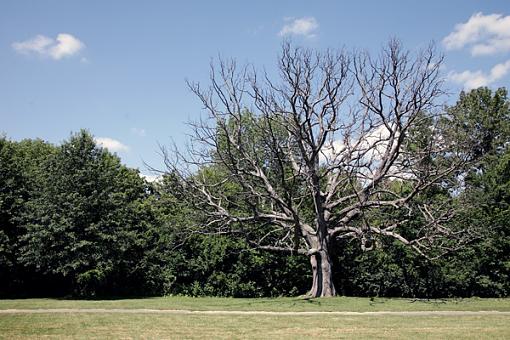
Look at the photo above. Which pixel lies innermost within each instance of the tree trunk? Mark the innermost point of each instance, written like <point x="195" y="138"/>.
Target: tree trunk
<point x="322" y="285"/>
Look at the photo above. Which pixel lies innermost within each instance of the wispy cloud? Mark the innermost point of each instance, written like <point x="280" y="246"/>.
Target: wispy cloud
<point x="65" y="45"/>
<point x="474" y="79"/>
<point x="371" y="144"/>
<point x="139" y="132"/>
<point x="364" y="152"/>
<point x="111" y="144"/>
<point x="485" y="34"/>
<point x="151" y="178"/>
<point x="306" y="26"/>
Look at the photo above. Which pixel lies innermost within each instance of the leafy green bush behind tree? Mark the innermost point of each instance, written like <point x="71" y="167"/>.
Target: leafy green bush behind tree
<point x="481" y="124"/>
<point x="74" y="220"/>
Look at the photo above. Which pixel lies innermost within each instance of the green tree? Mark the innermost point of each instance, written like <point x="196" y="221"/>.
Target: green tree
<point x="481" y="122"/>
<point x="482" y="126"/>
<point x="478" y="127"/>
<point x="84" y="224"/>
<point x="20" y="175"/>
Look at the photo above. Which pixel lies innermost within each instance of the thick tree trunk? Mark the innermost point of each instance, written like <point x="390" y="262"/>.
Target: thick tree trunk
<point x="322" y="285"/>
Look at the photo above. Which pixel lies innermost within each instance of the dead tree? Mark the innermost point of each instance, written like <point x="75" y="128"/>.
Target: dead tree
<point x="316" y="155"/>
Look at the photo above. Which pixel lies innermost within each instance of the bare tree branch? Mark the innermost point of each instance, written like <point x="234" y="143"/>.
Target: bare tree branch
<point x="340" y="143"/>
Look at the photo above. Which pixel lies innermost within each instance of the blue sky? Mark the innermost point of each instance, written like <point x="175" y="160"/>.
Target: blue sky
<point x="118" y="68"/>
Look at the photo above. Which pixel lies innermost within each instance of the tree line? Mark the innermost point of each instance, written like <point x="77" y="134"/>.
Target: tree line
<point x="398" y="197"/>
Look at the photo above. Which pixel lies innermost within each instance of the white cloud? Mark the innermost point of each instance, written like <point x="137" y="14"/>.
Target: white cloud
<point x="111" y="144"/>
<point x="486" y="34"/>
<point x="65" y="45"/>
<point x="139" y="132"/>
<point x="39" y="44"/>
<point x="364" y="154"/>
<point x="151" y="178"/>
<point x="331" y="151"/>
<point x="474" y="79"/>
<point x="306" y="26"/>
<point x="371" y="146"/>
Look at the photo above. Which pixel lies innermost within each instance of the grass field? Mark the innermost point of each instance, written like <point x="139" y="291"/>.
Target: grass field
<point x="76" y="324"/>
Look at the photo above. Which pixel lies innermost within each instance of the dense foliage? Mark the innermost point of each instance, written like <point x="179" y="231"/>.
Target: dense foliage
<point x="75" y="221"/>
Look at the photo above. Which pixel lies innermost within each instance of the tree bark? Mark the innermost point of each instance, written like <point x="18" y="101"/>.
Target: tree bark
<point x="322" y="285"/>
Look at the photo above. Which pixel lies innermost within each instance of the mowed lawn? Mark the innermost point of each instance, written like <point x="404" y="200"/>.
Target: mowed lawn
<point x="123" y="324"/>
